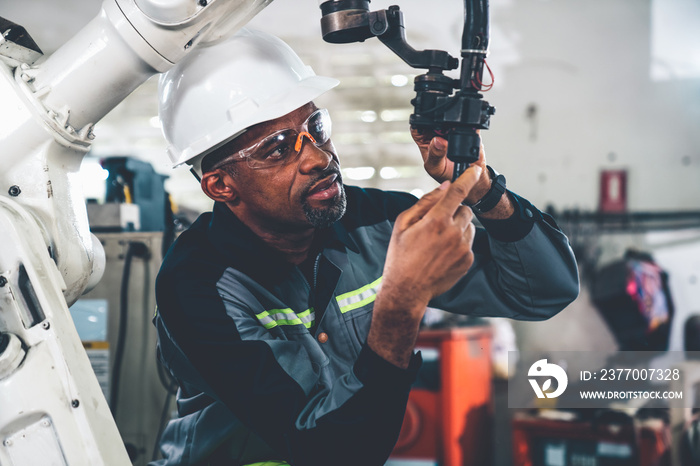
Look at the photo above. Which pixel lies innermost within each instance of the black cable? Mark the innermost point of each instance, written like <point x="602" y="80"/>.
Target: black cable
<point x="170" y="384"/>
<point x="134" y="249"/>
<point x="163" y="422"/>
<point x="169" y="230"/>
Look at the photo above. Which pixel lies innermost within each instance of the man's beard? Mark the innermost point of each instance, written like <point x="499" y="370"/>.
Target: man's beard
<point x="326" y="216"/>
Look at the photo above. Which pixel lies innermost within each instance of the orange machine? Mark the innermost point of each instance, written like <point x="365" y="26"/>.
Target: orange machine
<point x="549" y="442"/>
<point x="449" y="415"/>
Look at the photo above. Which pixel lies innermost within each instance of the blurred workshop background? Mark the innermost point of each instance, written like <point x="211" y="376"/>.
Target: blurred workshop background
<point x="597" y="122"/>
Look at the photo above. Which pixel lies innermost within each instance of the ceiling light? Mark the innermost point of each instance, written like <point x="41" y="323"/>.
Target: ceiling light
<point x="368" y="116"/>
<point x="399" y="80"/>
<point x="400" y="114"/>
<point x="389" y="173"/>
<point x="358" y="173"/>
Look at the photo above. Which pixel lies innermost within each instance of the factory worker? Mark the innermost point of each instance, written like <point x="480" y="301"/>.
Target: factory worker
<point x="288" y="314"/>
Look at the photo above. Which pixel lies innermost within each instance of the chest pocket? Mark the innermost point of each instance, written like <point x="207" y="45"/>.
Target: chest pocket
<point x="356" y="308"/>
<point x="295" y="326"/>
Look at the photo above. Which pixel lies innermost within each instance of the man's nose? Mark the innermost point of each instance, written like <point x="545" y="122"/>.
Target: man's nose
<point x="312" y="158"/>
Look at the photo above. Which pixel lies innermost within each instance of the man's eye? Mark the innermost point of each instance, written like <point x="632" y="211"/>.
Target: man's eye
<point x="278" y="152"/>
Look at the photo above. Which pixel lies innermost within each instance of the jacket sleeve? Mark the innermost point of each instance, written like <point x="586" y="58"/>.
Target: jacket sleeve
<point x="273" y="384"/>
<point x="523" y="268"/>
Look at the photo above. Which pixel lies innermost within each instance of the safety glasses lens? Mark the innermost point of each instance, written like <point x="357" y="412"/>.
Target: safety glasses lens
<point x="319" y="126"/>
<point x="281" y="147"/>
<point x="275" y="148"/>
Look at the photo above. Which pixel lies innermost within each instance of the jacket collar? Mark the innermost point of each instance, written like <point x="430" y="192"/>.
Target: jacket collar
<point x="251" y="255"/>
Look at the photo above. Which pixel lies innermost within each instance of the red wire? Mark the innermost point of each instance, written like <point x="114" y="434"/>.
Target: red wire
<point x="481" y="87"/>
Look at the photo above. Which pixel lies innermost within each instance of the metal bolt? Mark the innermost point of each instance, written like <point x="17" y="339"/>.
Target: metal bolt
<point x="3" y="281"/>
<point x="8" y="443"/>
<point x="46" y="325"/>
<point x="203" y="2"/>
<point x="45" y="423"/>
<point x="14" y="191"/>
<point x="75" y="403"/>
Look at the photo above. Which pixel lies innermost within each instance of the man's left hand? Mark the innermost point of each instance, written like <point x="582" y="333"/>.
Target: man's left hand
<point x="433" y="150"/>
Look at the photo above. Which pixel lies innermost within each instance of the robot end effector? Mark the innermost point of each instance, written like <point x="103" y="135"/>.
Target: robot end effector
<point x="436" y="109"/>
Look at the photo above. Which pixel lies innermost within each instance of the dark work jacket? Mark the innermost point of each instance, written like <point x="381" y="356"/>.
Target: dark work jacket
<point x="237" y="328"/>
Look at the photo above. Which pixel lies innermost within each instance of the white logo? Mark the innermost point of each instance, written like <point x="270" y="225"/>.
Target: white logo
<point x="542" y="368"/>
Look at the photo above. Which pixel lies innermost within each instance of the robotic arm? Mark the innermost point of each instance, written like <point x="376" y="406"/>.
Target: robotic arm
<point x="53" y="411"/>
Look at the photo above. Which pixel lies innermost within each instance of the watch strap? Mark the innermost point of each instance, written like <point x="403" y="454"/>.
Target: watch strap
<point x="494" y="194"/>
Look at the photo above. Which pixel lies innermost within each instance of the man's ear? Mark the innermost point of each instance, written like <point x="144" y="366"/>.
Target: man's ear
<point x="219" y="186"/>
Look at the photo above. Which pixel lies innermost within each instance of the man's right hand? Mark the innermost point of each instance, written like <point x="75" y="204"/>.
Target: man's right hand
<point x="430" y="249"/>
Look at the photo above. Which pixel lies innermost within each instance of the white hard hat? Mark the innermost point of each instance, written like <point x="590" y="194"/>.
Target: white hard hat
<point x="219" y="90"/>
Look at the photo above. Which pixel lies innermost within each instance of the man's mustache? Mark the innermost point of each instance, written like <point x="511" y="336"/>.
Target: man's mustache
<point x="325" y="174"/>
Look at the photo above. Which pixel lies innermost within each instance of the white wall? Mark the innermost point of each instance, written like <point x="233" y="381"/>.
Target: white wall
<point x="586" y="66"/>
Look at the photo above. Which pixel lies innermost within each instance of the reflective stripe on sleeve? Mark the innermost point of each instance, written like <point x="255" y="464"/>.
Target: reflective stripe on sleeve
<point x="360" y="297"/>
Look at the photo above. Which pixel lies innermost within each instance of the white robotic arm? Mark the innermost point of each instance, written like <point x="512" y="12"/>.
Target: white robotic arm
<point x="53" y="411"/>
<point x="124" y="45"/>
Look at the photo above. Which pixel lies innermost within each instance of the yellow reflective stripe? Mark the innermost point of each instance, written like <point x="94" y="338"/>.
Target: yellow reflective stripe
<point x="269" y="463"/>
<point x="308" y="317"/>
<point x="352" y="307"/>
<point x="346" y="302"/>
<point x="360" y="297"/>
<point x="275" y="317"/>
<point x="265" y="319"/>
<point x="360" y="290"/>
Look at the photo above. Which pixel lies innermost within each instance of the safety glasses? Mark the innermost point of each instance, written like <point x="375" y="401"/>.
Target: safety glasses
<point x="284" y="146"/>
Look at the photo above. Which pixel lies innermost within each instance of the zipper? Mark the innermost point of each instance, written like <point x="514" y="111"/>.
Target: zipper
<point x="313" y="289"/>
<point x="312" y="286"/>
<point x="316" y="263"/>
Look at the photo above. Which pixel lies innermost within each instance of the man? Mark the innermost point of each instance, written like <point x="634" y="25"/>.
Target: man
<point x="289" y="314"/>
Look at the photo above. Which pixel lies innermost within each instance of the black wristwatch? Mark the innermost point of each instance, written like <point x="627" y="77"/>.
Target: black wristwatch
<point x="493" y="196"/>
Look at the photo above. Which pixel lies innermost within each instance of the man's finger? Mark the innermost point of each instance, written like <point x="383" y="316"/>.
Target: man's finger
<point x="425" y="203"/>
<point x="458" y="191"/>
<point x="421" y="137"/>
<point x="437" y="150"/>
<point x="434" y="159"/>
<point x="463" y="216"/>
<point x="469" y="234"/>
